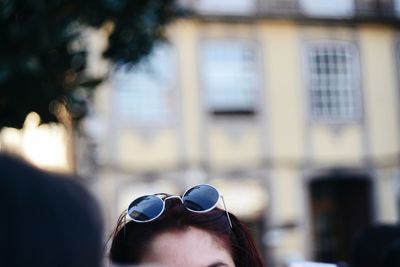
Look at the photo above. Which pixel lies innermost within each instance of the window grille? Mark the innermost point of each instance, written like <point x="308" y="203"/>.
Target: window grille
<point x="334" y="94"/>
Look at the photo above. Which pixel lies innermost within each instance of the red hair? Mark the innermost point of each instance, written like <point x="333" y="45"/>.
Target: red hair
<point x="130" y="240"/>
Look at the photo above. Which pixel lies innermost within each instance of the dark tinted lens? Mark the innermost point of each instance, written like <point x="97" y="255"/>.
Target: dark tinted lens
<point x="200" y="198"/>
<point x="145" y="208"/>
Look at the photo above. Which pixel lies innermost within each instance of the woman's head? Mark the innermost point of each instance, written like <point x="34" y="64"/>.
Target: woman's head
<point x="180" y="236"/>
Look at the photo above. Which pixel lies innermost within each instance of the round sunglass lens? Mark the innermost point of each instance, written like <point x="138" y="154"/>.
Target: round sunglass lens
<point x="201" y="198"/>
<point x="145" y="208"/>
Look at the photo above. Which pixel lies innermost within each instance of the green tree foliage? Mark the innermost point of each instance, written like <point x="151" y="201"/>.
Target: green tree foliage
<point x="39" y="64"/>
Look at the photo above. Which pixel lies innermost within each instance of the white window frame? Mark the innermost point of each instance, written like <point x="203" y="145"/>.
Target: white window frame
<point x="328" y="8"/>
<point x="335" y="95"/>
<point x="154" y="103"/>
<point x="213" y="103"/>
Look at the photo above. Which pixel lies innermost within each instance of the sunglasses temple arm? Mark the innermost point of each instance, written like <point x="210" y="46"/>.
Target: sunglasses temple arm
<point x="227" y="214"/>
<point x="125" y="224"/>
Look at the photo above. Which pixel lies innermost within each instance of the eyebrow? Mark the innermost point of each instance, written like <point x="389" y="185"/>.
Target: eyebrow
<point x="218" y="264"/>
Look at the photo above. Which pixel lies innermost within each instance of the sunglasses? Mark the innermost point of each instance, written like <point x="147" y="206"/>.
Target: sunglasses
<point x="199" y="199"/>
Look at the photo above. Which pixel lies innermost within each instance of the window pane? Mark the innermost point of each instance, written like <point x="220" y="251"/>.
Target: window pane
<point x="225" y="7"/>
<point x="333" y="92"/>
<point x="330" y="8"/>
<point x="397" y="7"/>
<point x="144" y="93"/>
<point x="230" y="76"/>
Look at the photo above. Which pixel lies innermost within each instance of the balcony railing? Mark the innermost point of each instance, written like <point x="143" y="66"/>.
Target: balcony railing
<point x="376" y="10"/>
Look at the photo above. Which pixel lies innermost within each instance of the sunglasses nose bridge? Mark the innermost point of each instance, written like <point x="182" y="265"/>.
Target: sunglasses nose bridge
<point x="174" y="197"/>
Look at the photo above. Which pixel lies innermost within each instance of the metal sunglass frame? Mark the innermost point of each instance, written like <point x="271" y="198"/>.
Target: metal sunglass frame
<point x="182" y="201"/>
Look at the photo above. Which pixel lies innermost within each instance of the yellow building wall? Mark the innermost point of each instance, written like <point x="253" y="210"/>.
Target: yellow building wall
<point x="147" y="152"/>
<point x="286" y="185"/>
<point x="184" y="34"/>
<point x="338" y="147"/>
<point x="226" y="30"/>
<point x="283" y="95"/>
<point x="377" y="46"/>
<point x="230" y="149"/>
<point x="321" y="32"/>
<point x="288" y="207"/>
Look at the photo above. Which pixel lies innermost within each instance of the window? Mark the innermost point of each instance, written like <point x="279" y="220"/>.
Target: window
<point x="225" y="7"/>
<point x="397" y="7"/>
<point x="328" y="8"/>
<point x="334" y="92"/>
<point x="145" y="92"/>
<point x="230" y="77"/>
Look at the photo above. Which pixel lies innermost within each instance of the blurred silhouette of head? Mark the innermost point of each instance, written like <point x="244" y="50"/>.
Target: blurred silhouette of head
<point x="377" y="246"/>
<point x="47" y="219"/>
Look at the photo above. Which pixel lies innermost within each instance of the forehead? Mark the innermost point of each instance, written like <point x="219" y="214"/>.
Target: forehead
<point x="191" y="247"/>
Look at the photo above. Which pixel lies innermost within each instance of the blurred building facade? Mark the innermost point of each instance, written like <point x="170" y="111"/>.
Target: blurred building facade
<point x="290" y="107"/>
